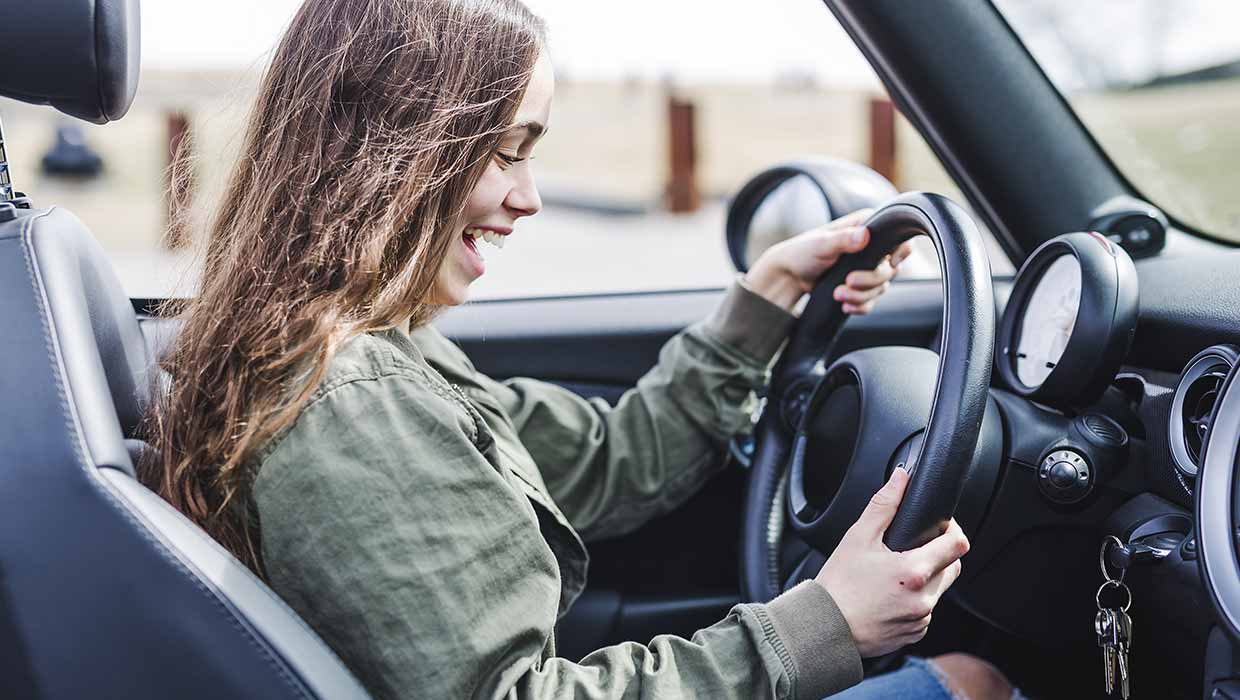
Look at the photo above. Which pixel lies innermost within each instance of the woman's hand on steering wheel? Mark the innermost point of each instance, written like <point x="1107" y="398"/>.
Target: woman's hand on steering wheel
<point x="887" y="597"/>
<point x="789" y="269"/>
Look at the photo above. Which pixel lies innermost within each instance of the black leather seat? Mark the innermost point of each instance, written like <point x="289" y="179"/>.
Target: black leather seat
<point x="105" y="590"/>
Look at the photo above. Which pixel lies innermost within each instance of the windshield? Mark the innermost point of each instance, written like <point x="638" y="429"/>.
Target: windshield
<point x="1158" y="85"/>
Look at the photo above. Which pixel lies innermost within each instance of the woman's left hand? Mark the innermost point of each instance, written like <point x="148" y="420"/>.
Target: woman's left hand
<point x="789" y="269"/>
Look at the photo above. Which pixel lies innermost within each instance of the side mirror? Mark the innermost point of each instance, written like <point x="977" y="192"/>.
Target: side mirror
<point x="794" y="197"/>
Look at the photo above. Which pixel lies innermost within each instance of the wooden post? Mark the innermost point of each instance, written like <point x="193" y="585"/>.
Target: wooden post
<point x="883" y="138"/>
<point x="682" y="190"/>
<point x="180" y="189"/>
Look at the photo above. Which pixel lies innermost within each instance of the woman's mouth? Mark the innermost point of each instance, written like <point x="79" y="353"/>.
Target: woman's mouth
<point x="469" y="243"/>
<point x="471" y="236"/>
<point x="495" y="238"/>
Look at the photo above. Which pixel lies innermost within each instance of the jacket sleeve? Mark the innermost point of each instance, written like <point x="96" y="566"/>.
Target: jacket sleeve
<point x="413" y="558"/>
<point x="611" y="469"/>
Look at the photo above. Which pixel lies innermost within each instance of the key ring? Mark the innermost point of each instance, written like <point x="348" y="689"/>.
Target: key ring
<point x="1117" y="585"/>
<point x="1102" y="561"/>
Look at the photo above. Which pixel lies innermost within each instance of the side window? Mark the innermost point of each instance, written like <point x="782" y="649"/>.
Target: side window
<point x="1161" y="97"/>
<point x="648" y="140"/>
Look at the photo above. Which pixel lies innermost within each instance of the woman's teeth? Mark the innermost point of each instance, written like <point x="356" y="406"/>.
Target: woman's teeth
<point x="491" y="237"/>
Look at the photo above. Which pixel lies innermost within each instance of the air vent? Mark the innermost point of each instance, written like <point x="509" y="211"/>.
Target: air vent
<point x="1193" y="406"/>
<point x="1105" y="429"/>
<point x="1199" y="409"/>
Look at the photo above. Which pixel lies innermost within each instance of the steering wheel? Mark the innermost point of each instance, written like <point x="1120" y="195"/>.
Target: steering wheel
<point x="870" y="398"/>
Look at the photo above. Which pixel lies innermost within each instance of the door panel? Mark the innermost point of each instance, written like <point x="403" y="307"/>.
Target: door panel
<point x="613" y="339"/>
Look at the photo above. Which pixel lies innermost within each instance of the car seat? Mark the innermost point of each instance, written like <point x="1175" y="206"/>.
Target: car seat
<point x="106" y="590"/>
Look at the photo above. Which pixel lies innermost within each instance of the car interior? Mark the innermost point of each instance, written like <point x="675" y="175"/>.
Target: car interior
<point x="1080" y="419"/>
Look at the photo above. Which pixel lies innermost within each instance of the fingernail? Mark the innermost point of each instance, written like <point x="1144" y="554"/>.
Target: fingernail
<point x="858" y="235"/>
<point x="838" y="294"/>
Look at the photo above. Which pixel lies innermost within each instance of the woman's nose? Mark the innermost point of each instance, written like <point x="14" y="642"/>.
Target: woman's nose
<point x="523" y="200"/>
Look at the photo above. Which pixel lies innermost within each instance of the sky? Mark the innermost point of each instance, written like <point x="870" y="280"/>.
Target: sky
<point x="687" y="40"/>
<point x="749" y="40"/>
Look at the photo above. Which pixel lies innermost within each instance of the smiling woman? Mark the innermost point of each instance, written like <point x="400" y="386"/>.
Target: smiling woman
<point x="427" y="520"/>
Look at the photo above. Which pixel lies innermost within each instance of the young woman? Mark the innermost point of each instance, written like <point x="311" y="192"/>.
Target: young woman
<point x="425" y="519"/>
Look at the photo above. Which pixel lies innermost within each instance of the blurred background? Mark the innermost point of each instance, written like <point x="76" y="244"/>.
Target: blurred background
<point x="662" y="110"/>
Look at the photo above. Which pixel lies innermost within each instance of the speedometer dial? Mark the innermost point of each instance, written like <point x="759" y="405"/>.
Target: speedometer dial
<point x="1049" y="319"/>
<point x="1069" y="320"/>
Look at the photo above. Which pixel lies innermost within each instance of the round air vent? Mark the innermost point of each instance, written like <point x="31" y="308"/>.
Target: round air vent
<point x="1104" y="429"/>
<point x="1192" y="409"/>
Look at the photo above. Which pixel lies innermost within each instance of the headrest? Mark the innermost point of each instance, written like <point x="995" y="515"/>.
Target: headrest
<point x="79" y="56"/>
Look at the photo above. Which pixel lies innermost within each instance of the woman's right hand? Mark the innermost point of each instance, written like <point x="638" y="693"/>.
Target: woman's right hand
<point x="887" y="596"/>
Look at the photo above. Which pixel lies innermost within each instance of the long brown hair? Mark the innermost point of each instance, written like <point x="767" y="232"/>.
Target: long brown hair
<point x="374" y="122"/>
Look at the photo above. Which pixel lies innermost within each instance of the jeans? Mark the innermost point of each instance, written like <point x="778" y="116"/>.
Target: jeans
<point x="917" y="679"/>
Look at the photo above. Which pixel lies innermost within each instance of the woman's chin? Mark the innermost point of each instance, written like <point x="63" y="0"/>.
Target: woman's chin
<point x="450" y="294"/>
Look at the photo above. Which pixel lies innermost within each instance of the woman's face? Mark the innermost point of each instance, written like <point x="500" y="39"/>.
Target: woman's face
<point x="505" y="193"/>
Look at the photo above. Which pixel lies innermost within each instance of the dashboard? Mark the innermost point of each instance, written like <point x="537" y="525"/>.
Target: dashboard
<point x="1107" y="374"/>
<point x="1113" y="379"/>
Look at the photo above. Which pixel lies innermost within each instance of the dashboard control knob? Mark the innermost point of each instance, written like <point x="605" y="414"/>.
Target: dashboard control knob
<point x="1065" y="476"/>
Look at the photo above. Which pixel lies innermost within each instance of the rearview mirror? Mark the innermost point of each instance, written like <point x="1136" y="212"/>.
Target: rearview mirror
<point x="794" y="197"/>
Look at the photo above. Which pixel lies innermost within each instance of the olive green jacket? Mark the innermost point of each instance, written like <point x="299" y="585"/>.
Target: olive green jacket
<point x="427" y="521"/>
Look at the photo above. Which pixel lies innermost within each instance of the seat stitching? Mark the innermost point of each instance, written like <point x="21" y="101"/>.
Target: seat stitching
<point x="74" y="429"/>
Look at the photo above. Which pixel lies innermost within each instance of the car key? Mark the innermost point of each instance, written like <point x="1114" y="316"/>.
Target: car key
<point x="1104" y="627"/>
<point x="1112" y="624"/>
<point x="1123" y="633"/>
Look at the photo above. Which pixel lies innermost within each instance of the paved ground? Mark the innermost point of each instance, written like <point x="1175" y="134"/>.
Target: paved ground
<point x="560" y="251"/>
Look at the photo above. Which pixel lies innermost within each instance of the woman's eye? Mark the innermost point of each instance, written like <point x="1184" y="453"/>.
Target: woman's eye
<point x="507" y="159"/>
